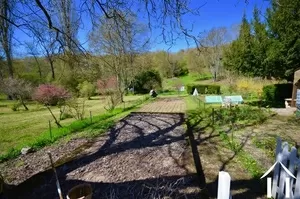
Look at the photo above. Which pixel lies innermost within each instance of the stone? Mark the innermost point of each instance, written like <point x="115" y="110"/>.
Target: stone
<point x="26" y="150"/>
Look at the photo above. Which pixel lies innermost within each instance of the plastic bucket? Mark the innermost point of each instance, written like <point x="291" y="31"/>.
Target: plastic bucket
<point x="82" y="191"/>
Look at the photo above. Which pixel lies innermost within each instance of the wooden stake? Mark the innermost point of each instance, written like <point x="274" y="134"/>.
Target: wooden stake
<point x="91" y="118"/>
<point x="57" y="182"/>
<point x="213" y="116"/>
<point x="50" y="130"/>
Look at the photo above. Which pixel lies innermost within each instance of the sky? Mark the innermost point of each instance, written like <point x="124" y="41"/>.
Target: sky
<point x="212" y="13"/>
<point x="216" y="13"/>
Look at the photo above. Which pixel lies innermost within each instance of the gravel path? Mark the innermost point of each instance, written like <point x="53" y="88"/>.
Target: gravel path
<point x="141" y="157"/>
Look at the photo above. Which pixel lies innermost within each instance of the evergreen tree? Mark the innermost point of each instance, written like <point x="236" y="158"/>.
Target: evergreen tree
<point x="260" y="46"/>
<point x="239" y="56"/>
<point x="284" y="27"/>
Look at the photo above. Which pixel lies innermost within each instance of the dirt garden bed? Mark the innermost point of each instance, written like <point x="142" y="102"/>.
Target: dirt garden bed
<point x="141" y="157"/>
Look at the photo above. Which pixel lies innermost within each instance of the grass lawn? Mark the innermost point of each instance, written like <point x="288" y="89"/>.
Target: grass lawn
<point x="168" y="84"/>
<point x="18" y="127"/>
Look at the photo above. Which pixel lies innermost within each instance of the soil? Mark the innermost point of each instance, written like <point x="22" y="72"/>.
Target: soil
<point x="165" y="105"/>
<point x="141" y="157"/>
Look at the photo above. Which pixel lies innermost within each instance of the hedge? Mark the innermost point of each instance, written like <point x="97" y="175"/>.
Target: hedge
<point x="204" y="89"/>
<point x="274" y="95"/>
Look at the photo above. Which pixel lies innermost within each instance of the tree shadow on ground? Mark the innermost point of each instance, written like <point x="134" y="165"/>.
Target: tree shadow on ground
<point x="181" y="186"/>
<point x="42" y="185"/>
<point x="201" y="130"/>
<point x="114" y="144"/>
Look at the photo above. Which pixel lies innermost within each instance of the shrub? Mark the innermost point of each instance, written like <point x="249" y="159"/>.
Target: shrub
<point x="66" y="116"/>
<point x="147" y="80"/>
<point x="15" y="106"/>
<point x="107" y="86"/>
<point x="241" y="114"/>
<point x="181" y="71"/>
<point x="86" y="89"/>
<point x="76" y="108"/>
<point x="50" y="95"/>
<point x="275" y="94"/>
<point x="17" y="89"/>
<point x="203" y="89"/>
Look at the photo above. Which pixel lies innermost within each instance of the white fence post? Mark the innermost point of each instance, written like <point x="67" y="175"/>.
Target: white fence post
<point x="224" y="185"/>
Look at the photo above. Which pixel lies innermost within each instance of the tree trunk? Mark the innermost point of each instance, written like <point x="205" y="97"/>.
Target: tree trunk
<point x="38" y="65"/>
<point x="6" y="35"/>
<point x="23" y="103"/>
<point x="196" y="157"/>
<point x="56" y="121"/>
<point x="9" y="62"/>
<point x="52" y="69"/>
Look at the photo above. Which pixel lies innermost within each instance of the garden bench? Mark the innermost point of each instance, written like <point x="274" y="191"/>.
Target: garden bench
<point x="288" y="102"/>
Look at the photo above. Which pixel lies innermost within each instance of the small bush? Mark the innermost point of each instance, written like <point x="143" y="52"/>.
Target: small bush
<point x="181" y="71"/>
<point x="86" y="89"/>
<point x="203" y="89"/>
<point x="15" y="106"/>
<point x="275" y="94"/>
<point x="66" y="116"/>
<point x="51" y="95"/>
<point x="107" y="86"/>
<point x="241" y="114"/>
<point x="147" y="80"/>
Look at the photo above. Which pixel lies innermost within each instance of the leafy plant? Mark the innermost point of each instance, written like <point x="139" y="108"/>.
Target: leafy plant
<point x="146" y="81"/>
<point x="76" y="108"/>
<point x="275" y="94"/>
<point x="50" y="95"/>
<point x="15" y="106"/>
<point x="86" y="89"/>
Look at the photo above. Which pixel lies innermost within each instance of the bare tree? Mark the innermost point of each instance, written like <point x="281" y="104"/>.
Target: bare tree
<point x="18" y="89"/>
<point x="119" y="40"/>
<point x="6" y="32"/>
<point x="46" y="44"/>
<point x="68" y="22"/>
<point x="166" y="15"/>
<point x="32" y="50"/>
<point x="214" y="41"/>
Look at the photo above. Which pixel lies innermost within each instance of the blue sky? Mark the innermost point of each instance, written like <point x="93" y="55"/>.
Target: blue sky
<point x="214" y="13"/>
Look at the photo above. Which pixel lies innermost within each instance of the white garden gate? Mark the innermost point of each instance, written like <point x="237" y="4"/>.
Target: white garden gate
<point x="289" y="159"/>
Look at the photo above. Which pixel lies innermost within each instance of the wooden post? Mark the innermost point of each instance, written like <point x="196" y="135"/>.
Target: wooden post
<point x="91" y="118"/>
<point x="213" y="116"/>
<point x="56" y="177"/>
<point x="50" y="130"/>
<point x="293" y="102"/>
